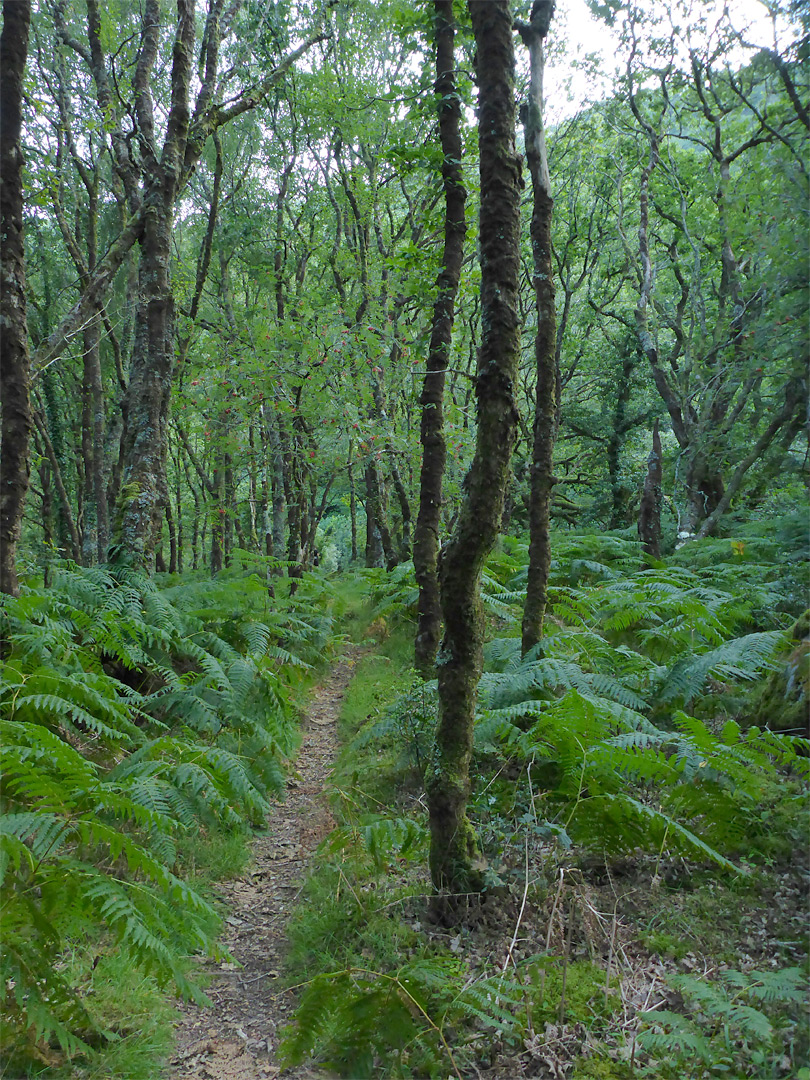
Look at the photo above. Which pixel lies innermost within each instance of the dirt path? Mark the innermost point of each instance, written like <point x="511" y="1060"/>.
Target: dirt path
<point x="237" y="1038"/>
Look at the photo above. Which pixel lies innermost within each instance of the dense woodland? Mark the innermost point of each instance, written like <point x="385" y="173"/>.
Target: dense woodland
<point x="362" y="321"/>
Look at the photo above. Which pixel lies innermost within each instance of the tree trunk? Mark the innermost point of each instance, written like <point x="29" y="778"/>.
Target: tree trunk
<point x="704" y="489"/>
<point x="143" y="482"/>
<point x="294" y="486"/>
<point x="90" y="361"/>
<point x="71" y="539"/>
<point x="455" y="863"/>
<point x="374" y="548"/>
<point x="545" y="346"/>
<point x="434" y="451"/>
<point x="404" y="552"/>
<point x="795" y="392"/>
<point x="15" y="423"/>
<point x="649" y="514"/>
<point x="217" y="523"/>
<point x="179" y="506"/>
<point x="352" y="503"/>
<point x="52" y="416"/>
<point x="376" y="517"/>
<point x="615" y="444"/>
<point x="172" y="538"/>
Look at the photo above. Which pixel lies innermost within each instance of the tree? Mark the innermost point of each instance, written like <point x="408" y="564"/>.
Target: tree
<point x="701" y="290"/>
<point x="649" y="515"/>
<point x="434" y="449"/>
<point x="455" y="863"/>
<point x="149" y="183"/>
<point x="15" y="429"/>
<point x="541" y="481"/>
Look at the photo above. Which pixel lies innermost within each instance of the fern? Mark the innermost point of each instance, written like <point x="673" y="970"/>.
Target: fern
<point x="125" y="720"/>
<point x="383" y="838"/>
<point x="411" y="1020"/>
<point x="723" y="1030"/>
<point x="742" y="658"/>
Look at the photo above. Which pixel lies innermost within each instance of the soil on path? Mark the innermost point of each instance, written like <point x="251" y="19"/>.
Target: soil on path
<point x="237" y="1039"/>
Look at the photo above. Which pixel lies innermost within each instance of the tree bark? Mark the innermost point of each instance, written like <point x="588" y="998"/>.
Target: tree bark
<point x="545" y="346"/>
<point x="352" y="502"/>
<point x="795" y="392"/>
<point x="143" y="483"/>
<point x="376" y="519"/>
<point x="455" y="862"/>
<point x="649" y="514"/>
<point x="15" y="422"/>
<point x="434" y="450"/>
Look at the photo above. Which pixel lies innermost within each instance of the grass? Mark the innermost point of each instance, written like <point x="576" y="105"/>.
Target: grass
<point x="137" y="1014"/>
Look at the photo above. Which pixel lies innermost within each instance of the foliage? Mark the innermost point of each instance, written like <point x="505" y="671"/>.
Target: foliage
<point x="127" y="724"/>
<point x="600" y="718"/>
<point x="410" y="722"/>
<point x="739" y="1024"/>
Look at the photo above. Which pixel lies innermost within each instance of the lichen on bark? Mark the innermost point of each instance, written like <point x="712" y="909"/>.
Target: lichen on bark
<point x="455" y="863"/>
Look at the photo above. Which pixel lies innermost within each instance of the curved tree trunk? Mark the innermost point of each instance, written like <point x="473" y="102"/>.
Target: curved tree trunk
<point x="545" y="346"/>
<point x="16" y="423"/>
<point x="434" y="453"/>
<point x="455" y="863"/>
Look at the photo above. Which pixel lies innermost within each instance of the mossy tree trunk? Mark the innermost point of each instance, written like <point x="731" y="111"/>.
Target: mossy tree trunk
<point x="165" y="171"/>
<point x="143" y="493"/>
<point x="16" y="422"/>
<point x="649" y="514"/>
<point x="434" y="451"/>
<point x="455" y="864"/>
<point x="545" y="345"/>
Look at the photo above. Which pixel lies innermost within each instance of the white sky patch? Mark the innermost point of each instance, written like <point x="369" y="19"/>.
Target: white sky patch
<point x="585" y="55"/>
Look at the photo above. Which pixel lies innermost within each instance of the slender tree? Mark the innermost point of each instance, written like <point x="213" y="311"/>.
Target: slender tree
<point x="455" y="863"/>
<point x="434" y="449"/>
<point x="649" y="514"/>
<point x="545" y="400"/>
<point x="16" y="423"/>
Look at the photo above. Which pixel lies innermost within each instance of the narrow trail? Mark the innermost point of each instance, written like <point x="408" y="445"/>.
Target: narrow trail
<point x="237" y="1039"/>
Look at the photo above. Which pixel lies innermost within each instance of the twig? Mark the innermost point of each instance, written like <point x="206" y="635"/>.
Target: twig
<point x="554" y="909"/>
<point x="520" y="914"/>
<point x="610" y="952"/>
<point x="351" y="890"/>
<point x="565" y="959"/>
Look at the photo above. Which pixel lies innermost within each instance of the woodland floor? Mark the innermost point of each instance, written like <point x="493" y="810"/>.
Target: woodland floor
<point x="580" y="910"/>
<point x="238" y="1037"/>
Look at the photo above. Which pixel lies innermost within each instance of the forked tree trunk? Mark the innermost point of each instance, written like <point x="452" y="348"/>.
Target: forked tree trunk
<point x="545" y="346"/>
<point x="455" y="863"/>
<point x="143" y="483"/>
<point x="649" y="514"/>
<point x="16" y="423"/>
<point x="434" y="451"/>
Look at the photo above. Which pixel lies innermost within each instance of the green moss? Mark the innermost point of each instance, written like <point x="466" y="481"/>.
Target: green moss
<point x="600" y="1068"/>
<point x="586" y="999"/>
<point x="782" y="702"/>
<point x="664" y="944"/>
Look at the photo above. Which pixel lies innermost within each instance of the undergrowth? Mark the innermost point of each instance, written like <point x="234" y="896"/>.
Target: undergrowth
<point x="142" y="730"/>
<point x="626" y="741"/>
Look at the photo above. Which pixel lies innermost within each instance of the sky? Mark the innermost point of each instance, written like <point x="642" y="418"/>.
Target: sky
<point x="570" y="89"/>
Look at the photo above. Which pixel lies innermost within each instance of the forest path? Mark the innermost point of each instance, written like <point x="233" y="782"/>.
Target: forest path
<point x="237" y="1039"/>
